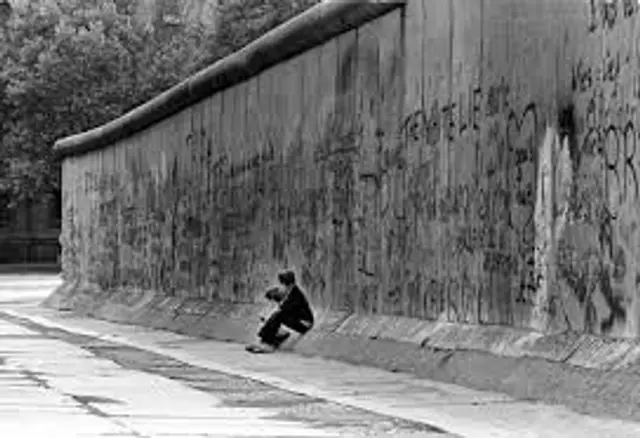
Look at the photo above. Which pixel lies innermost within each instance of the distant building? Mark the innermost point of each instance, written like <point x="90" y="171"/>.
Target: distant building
<point x="29" y="232"/>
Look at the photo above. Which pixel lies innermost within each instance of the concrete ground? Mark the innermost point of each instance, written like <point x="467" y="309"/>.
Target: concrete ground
<point x="65" y="376"/>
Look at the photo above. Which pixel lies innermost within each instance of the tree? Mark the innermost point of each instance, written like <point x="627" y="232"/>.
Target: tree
<point x="67" y="66"/>
<point x="242" y="21"/>
<point x="72" y="66"/>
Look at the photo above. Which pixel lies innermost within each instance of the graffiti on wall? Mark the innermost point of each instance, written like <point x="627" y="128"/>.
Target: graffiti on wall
<point x="606" y="14"/>
<point x="488" y="214"/>
<point x="593" y="259"/>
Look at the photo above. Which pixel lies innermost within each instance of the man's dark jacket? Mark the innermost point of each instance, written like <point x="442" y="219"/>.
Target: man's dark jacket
<point x="296" y="305"/>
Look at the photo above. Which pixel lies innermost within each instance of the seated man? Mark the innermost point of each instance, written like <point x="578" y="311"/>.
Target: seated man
<point x="294" y="312"/>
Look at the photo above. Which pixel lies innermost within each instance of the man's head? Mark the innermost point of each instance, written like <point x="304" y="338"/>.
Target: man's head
<point x="287" y="278"/>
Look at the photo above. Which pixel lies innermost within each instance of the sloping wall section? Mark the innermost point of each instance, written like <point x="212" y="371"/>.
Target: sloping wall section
<point x="472" y="162"/>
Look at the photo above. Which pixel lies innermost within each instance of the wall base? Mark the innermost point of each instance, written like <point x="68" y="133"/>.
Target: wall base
<point x="590" y="374"/>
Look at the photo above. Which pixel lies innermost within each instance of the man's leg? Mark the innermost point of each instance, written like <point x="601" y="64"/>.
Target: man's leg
<point x="296" y="324"/>
<point x="269" y="331"/>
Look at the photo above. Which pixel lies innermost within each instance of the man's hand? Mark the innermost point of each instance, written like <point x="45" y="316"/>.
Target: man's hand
<point x="276" y="294"/>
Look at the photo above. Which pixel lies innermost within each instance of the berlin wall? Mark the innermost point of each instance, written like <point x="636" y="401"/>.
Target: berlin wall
<point x="455" y="160"/>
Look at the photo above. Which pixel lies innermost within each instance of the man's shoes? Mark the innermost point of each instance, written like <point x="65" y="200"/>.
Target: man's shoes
<point x="280" y="338"/>
<point x="260" y="348"/>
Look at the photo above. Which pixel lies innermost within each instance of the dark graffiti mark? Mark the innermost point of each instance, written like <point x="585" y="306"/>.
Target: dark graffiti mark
<point x="530" y="279"/>
<point x="452" y="120"/>
<point x="422" y="125"/>
<point x="582" y="76"/>
<point x="606" y="14"/>
<point x="618" y="152"/>
<point x="263" y="157"/>
<point x="338" y="141"/>
<point x="515" y="126"/>
<point x="587" y="274"/>
<point x="222" y="167"/>
<point x="457" y="295"/>
<point x="585" y="75"/>
<point x="503" y="263"/>
<point x="368" y="298"/>
<point x="610" y="134"/>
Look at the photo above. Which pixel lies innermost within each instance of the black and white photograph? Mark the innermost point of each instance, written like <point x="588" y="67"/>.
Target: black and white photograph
<point x="319" y="218"/>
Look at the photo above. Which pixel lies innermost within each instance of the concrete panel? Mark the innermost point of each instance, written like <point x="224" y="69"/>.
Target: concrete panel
<point x="407" y="330"/>
<point x="165" y="314"/>
<point x="190" y="311"/>
<point x="630" y="362"/>
<point x="600" y="353"/>
<point x="149" y="312"/>
<point x="362" y="326"/>
<point x="329" y="321"/>
<point x="225" y="328"/>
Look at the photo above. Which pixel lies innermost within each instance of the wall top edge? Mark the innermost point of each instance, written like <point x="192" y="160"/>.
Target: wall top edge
<point x="312" y="28"/>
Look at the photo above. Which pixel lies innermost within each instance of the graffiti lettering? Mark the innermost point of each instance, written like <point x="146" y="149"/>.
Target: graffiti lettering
<point x="502" y="263"/>
<point x="609" y="123"/>
<point x="458" y="295"/>
<point x="529" y="284"/>
<point x="616" y="145"/>
<point x="253" y="162"/>
<point x="605" y="14"/>
<point x="582" y="77"/>
<point x="453" y="119"/>
<point x="497" y="98"/>
<point x="588" y="276"/>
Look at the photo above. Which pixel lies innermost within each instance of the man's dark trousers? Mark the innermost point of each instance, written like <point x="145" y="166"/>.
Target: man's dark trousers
<point x="269" y="332"/>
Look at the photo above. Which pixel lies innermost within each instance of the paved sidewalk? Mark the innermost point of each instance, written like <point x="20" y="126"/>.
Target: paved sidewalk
<point x="19" y="288"/>
<point x="455" y="409"/>
<point x="50" y="388"/>
<point x="57" y="384"/>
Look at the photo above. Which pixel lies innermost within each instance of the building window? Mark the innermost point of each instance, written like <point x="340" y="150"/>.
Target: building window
<point x="55" y="210"/>
<point x="6" y="213"/>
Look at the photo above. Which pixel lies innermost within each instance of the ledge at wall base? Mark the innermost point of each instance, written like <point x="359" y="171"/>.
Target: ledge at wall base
<point x="590" y="374"/>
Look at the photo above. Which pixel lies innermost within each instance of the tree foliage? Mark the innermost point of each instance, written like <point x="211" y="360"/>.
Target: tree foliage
<point x="240" y="22"/>
<point x="67" y="66"/>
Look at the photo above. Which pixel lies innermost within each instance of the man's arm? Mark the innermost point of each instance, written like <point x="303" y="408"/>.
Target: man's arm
<point x="275" y="294"/>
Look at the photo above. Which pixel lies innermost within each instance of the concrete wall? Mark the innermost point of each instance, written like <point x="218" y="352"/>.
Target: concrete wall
<point x="472" y="162"/>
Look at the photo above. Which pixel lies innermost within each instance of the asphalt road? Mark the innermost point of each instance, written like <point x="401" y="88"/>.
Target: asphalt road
<point x="55" y="383"/>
